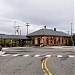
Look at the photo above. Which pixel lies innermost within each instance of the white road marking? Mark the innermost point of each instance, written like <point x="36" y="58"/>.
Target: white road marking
<point x="36" y="55"/>
<point x="48" y="56"/>
<point x="5" y="55"/>
<point x="15" y="55"/>
<point x="59" y="56"/>
<point x="26" y="55"/>
<point x="71" y="55"/>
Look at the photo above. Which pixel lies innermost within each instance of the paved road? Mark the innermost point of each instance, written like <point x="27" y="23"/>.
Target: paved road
<point x="36" y="61"/>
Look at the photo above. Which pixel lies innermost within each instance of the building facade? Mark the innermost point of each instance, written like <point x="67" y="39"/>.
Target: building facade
<point x="49" y="37"/>
<point x="46" y="37"/>
<point x="14" y="40"/>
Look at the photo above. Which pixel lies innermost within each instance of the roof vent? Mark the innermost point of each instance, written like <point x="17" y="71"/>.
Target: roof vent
<point x="54" y="29"/>
<point x="44" y="27"/>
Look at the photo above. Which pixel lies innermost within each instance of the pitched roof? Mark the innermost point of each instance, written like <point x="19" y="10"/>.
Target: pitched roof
<point x="13" y="36"/>
<point x="48" y="32"/>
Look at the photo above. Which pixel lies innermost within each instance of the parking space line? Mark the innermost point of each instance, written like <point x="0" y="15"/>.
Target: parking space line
<point x="36" y="55"/>
<point x="48" y="56"/>
<point x="26" y="55"/>
<point x="59" y="56"/>
<point x="15" y="55"/>
<point x="5" y="55"/>
<point x="71" y="56"/>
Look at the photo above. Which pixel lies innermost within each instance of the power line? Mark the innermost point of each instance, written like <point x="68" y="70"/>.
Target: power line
<point x="5" y="20"/>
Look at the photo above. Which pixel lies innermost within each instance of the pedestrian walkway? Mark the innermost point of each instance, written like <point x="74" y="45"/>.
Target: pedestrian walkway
<point x="36" y="55"/>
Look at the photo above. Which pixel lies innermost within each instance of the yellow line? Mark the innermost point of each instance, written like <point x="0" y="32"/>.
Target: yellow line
<point x="42" y="64"/>
<point x="45" y="64"/>
<point x="44" y="67"/>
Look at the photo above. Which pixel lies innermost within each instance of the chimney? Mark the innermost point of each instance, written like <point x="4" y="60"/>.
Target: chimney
<point x="44" y="27"/>
<point x="54" y="29"/>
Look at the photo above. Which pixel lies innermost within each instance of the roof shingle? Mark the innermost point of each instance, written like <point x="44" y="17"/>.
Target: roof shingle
<point x="48" y="32"/>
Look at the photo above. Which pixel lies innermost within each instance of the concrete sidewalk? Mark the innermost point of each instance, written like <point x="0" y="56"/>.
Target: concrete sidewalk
<point x="4" y="48"/>
<point x="1" y="52"/>
<point x="55" y="47"/>
<point x="59" y="47"/>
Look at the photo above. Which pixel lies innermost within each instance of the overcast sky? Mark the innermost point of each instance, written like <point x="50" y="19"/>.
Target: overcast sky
<point x="38" y="13"/>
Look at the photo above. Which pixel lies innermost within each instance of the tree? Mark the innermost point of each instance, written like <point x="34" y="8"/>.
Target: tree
<point x="73" y="38"/>
<point x="70" y="42"/>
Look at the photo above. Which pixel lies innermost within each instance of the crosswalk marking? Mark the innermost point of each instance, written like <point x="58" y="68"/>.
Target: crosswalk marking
<point x="71" y="56"/>
<point x="59" y="56"/>
<point x="48" y="56"/>
<point x="26" y="55"/>
<point x="36" y="55"/>
<point x="5" y="55"/>
<point x="15" y="55"/>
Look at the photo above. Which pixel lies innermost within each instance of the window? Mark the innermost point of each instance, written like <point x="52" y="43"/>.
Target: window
<point x="47" y="41"/>
<point x="54" y="41"/>
<point x="62" y="41"/>
<point x="59" y="40"/>
<point x="51" y="38"/>
<point x="33" y="41"/>
<point x="38" y="41"/>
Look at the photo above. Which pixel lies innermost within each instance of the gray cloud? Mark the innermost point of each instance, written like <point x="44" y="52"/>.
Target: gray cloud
<point x="53" y="13"/>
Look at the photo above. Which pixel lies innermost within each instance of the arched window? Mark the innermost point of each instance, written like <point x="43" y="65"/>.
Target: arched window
<point x="54" y="41"/>
<point x="38" y="41"/>
<point x="62" y="41"/>
<point x="59" y="40"/>
<point x="47" y="41"/>
<point x="33" y="41"/>
<point x="51" y="38"/>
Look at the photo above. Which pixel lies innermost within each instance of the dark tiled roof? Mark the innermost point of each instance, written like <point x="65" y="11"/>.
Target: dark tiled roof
<point x="48" y="32"/>
<point x="13" y="37"/>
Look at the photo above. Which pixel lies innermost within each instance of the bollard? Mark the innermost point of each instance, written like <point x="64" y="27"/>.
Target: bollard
<point x="0" y="48"/>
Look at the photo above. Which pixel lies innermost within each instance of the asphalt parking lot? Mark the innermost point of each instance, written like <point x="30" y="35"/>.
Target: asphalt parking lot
<point x="32" y="61"/>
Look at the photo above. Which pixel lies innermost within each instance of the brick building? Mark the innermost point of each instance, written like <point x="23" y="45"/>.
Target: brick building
<point x="49" y="37"/>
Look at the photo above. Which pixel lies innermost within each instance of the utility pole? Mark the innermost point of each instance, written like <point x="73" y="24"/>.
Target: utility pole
<point x="71" y="31"/>
<point x="71" y="36"/>
<point x="18" y="27"/>
<point x="20" y="32"/>
<point x="27" y="24"/>
<point x="15" y="27"/>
